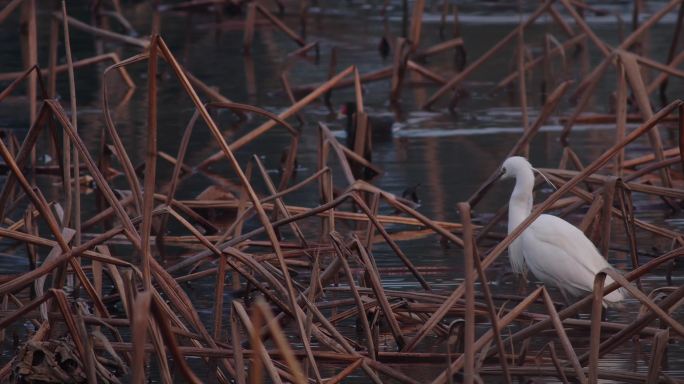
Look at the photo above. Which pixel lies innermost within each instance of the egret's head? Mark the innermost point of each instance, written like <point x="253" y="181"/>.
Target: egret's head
<point x="513" y="166"/>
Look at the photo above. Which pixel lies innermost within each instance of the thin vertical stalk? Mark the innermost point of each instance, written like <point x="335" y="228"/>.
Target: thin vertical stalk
<point x="660" y="342"/>
<point x="139" y="324"/>
<point x="494" y="317"/>
<point x="236" y="337"/>
<point x="250" y="20"/>
<point x="281" y="342"/>
<point x="673" y="47"/>
<point x="178" y="167"/>
<point x="150" y="162"/>
<point x="607" y="214"/>
<point x="393" y="245"/>
<point x="279" y="201"/>
<point x="681" y="134"/>
<point x="416" y="24"/>
<point x="595" y="333"/>
<point x="32" y="58"/>
<point x="52" y="57"/>
<point x="621" y="116"/>
<point x="563" y="337"/>
<point x="627" y="210"/>
<point x="376" y="284"/>
<point x="67" y="145"/>
<point x="260" y="360"/>
<point x="522" y="88"/>
<point x="469" y="256"/>
<point x="343" y="253"/>
<point x="639" y="89"/>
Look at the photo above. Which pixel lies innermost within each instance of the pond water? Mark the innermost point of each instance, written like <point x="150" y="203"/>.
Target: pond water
<point x="447" y="152"/>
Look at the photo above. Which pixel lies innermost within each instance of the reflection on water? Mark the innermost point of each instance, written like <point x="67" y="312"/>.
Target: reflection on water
<point x="449" y="152"/>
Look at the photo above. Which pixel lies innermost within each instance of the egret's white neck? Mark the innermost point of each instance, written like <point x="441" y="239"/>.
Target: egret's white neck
<point x="520" y="205"/>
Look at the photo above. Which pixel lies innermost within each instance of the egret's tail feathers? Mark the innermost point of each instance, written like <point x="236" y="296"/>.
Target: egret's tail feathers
<point x="617" y="306"/>
<point x="615" y="298"/>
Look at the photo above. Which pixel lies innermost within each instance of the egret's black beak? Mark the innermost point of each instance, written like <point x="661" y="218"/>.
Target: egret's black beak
<point x="477" y="196"/>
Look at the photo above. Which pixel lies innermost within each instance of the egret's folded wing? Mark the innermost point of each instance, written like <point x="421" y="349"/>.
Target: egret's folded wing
<point x="556" y="251"/>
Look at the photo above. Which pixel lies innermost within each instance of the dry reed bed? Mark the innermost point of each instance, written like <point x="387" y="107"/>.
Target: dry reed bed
<point x="283" y="324"/>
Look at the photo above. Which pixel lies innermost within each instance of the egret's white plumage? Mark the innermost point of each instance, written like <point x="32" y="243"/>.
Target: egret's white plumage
<point x="555" y="251"/>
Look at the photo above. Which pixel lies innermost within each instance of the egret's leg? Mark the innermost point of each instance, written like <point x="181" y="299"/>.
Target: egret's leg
<point x="522" y="284"/>
<point x="604" y="313"/>
<point x="565" y="297"/>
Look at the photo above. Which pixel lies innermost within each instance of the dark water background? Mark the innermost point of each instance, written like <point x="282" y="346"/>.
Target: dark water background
<point x="449" y="153"/>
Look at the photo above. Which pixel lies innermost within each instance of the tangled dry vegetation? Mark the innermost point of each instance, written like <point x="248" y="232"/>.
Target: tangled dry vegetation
<point x="102" y="315"/>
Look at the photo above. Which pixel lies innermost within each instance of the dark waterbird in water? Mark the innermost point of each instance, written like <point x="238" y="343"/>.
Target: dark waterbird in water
<point x="384" y="47"/>
<point x="380" y="126"/>
<point x="379" y="129"/>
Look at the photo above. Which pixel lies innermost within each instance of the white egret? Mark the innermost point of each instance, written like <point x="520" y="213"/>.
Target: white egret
<point x="555" y="251"/>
